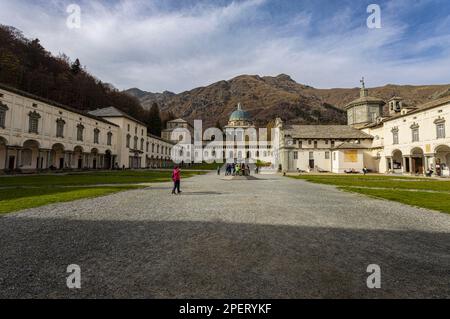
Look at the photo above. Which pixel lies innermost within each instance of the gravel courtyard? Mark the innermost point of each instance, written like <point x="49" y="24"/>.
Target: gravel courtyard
<point x="271" y="238"/>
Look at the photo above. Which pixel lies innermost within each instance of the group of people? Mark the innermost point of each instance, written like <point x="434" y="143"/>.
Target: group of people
<point x="237" y="170"/>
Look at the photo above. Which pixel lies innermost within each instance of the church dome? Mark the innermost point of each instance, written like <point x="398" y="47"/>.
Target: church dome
<point x="240" y="115"/>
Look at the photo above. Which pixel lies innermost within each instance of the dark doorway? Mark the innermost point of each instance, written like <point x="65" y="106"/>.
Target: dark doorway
<point x="80" y="163"/>
<point x="311" y="163"/>
<point x="418" y="165"/>
<point x="61" y="163"/>
<point x="108" y="161"/>
<point x="11" y="162"/>
<point x="94" y="164"/>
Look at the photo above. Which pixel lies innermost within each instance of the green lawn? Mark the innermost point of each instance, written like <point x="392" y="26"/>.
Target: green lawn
<point x="21" y="192"/>
<point x="91" y="178"/>
<point x="205" y="166"/>
<point x="22" y="198"/>
<point x="421" y="192"/>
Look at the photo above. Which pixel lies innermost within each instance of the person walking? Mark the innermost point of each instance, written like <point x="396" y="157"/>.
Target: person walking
<point x="176" y="178"/>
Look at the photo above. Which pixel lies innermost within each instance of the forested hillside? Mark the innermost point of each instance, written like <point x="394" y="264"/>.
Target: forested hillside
<point x="26" y="65"/>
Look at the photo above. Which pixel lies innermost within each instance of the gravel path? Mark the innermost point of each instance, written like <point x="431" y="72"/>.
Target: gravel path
<point x="271" y="238"/>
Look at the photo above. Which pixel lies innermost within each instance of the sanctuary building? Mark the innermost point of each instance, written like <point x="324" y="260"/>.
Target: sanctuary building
<point x="38" y="134"/>
<point x="381" y="136"/>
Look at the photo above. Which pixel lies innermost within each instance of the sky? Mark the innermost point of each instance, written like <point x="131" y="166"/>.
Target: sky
<point x="159" y="45"/>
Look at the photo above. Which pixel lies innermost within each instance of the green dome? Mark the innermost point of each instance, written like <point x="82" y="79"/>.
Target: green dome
<point x="240" y="115"/>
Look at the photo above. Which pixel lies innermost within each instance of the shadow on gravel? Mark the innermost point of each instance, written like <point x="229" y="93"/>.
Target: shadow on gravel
<point x="164" y="259"/>
<point x="200" y="193"/>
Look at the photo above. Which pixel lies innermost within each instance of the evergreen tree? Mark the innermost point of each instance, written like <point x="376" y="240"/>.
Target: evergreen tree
<point x="154" y="121"/>
<point x="76" y="67"/>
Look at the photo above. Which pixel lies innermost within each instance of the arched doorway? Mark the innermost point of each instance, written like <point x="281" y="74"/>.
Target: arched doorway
<point x="417" y="157"/>
<point x="108" y="160"/>
<point x="57" y="156"/>
<point x="78" y="157"/>
<point x="397" y="160"/>
<point x="3" y="159"/>
<point x="30" y="158"/>
<point x="442" y="160"/>
<point x="94" y="154"/>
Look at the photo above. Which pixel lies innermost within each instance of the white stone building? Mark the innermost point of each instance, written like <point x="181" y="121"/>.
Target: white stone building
<point x="411" y="140"/>
<point x="322" y="148"/>
<point x="384" y="137"/>
<point x="392" y="137"/>
<point x="38" y="134"/>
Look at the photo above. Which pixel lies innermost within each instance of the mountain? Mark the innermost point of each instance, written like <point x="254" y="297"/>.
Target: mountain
<point x="269" y="97"/>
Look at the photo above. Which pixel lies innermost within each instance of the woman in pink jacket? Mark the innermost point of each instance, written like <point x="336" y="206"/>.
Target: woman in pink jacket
<point x="176" y="177"/>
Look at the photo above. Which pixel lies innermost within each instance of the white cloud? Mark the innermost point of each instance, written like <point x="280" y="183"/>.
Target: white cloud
<point x="138" y="44"/>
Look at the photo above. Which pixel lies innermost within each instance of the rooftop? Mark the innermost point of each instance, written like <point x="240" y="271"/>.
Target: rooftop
<point x="350" y="146"/>
<point x="325" y="132"/>
<point x="112" y="111"/>
<point x="52" y="103"/>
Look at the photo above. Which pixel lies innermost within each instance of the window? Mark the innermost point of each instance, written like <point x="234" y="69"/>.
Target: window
<point x="96" y="135"/>
<point x="128" y="140"/>
<point x="311" y="155"/>
<point x="153" y="147"/>
<point x="440" y="129"/>
<point x="373" y="117"/>
<point x="334" y="156"/>
<point x="34" y="122"/>
<point x="128" y="127"/>
<point x="415" y="132"/>
<point x="332" y="144"/>
<point x="3" y="109"/>
<point x="394" y="135"/>
<point x="60" y="127"/>
<point x="109" y="139"/>
<point x="315" y="144"/>
<point x="415" y="135"/>
<point x="148" y="144"/>
<point x="327" y="155"/>
<point x="300" y="144"/>
<point x="295" y="155"/>
<point x="80" y="129"/>
<point x="135" y="145"/>
<point x="142" y="144"/>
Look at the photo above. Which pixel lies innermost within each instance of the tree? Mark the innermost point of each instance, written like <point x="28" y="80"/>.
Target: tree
<point x="9" y="68"/>
<point x="218" y="125"/>
<point x="76" y="67"/>
<point x="154" y="122"/>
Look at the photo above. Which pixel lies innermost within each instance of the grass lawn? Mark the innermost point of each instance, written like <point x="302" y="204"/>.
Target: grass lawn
<point x="204" y="166"/>
<point x="22" y="192"/>
<point x="22" y="198"/>
<point x="420" y="192"/>
<point x="91" y="178"/>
